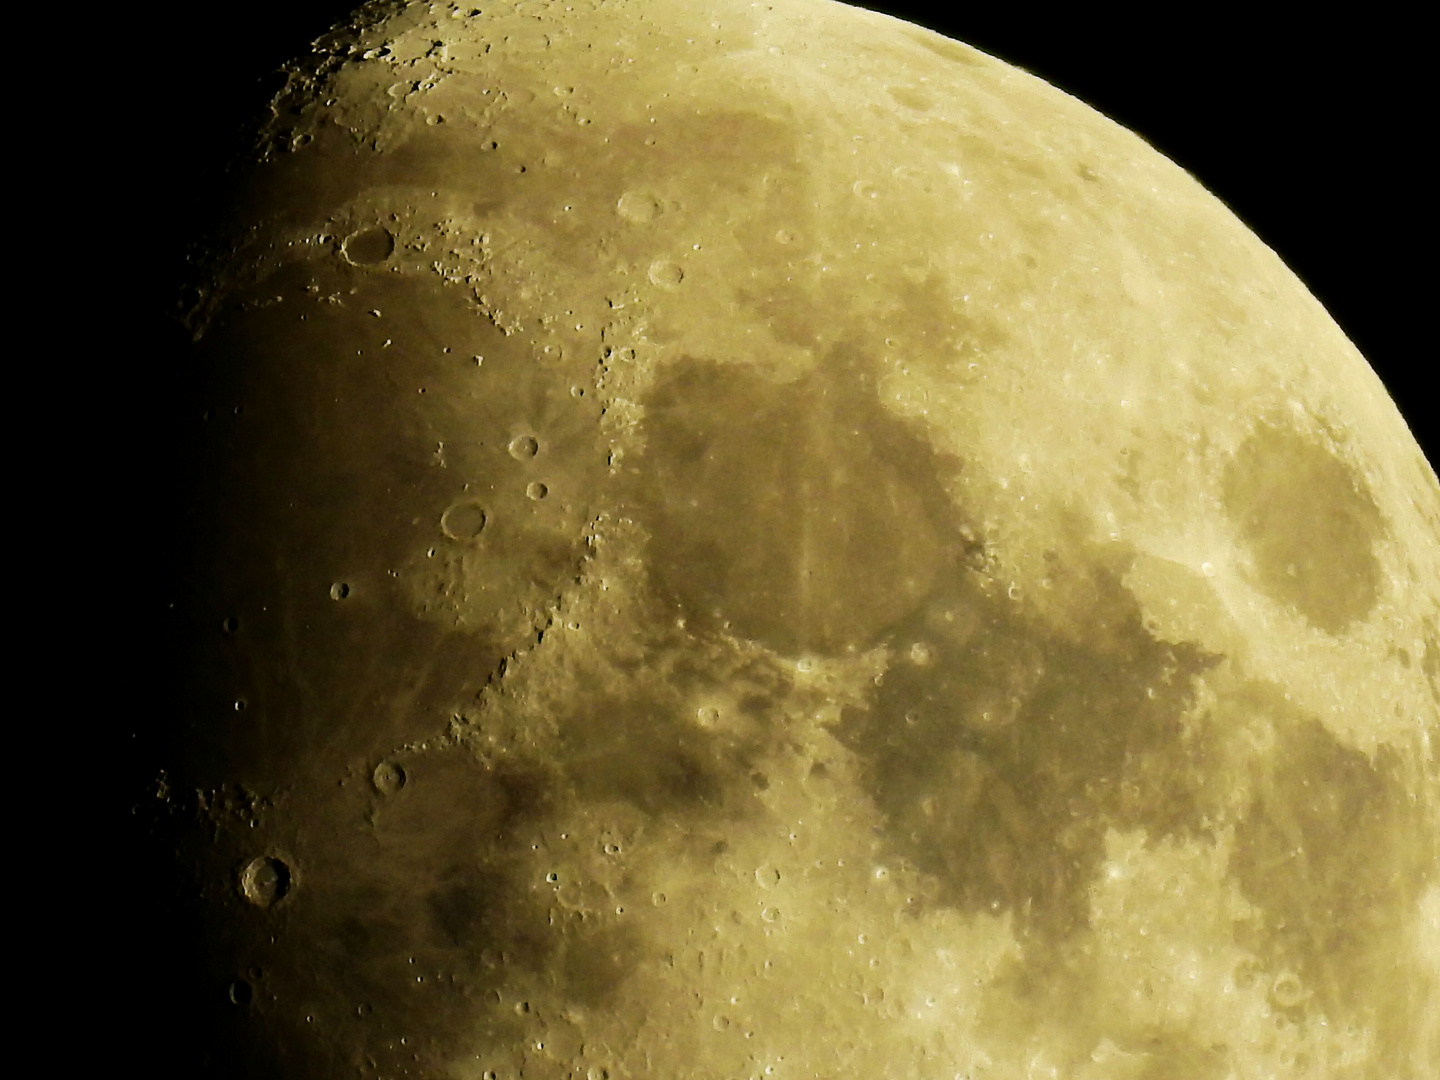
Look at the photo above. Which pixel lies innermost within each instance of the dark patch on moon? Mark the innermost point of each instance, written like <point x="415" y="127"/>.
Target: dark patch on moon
<point x="799" y="515"/>
<point x="476" y="908"/>
<point x="634" y="749"/>
<point x="999" y="764"/>
<point x="597" y="962"/>
<point x="451" y="839"/>
<point x="1310" y="524"/>
<point x="804" y="517"/>
<point x="645" y="746"/>
<point x="1330" y="851"/>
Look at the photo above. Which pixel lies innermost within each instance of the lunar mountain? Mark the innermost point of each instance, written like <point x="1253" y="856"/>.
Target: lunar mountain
<point x="738" y="541"/>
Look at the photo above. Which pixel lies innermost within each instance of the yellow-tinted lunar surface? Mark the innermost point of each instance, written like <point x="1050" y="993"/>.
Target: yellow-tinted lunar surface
<point x="756" y="541"/>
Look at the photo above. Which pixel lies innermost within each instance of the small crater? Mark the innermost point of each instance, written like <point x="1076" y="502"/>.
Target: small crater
<point x="463" y="521"/>
<point x="524" y="447"/>
<point x="666" y="274"/>
<point x="240" y="993"/>
<point x="388" y="778"/>
<point x="339" y="591"/>
<point x="536" y="491"/>
<point x="230" y="625"/>
<point x="368" y="246"/>
<point x="638" y="207"/>
<point x="1287" y="991"/>
<point x="265" y="881"/>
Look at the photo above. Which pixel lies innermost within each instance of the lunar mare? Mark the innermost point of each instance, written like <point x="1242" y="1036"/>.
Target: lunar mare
<point x="762" y="541"/>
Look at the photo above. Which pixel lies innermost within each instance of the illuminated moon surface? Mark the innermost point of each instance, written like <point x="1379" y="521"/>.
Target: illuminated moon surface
<point x="754" y="540"/>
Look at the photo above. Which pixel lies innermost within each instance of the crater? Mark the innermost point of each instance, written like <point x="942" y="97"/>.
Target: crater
<point x="524" y="447"/>
<point x="388" y="777"/>
<point x="369" y="246"/>
<point x="464" y="520"/>
<point x="265" y="881"/>
<point x="638" y="207"/>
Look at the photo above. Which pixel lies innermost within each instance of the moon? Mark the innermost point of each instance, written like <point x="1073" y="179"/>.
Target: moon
<point x="768" y="542"/>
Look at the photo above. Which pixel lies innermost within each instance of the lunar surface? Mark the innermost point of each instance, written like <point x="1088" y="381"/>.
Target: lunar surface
<point x="733" y="541"/>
